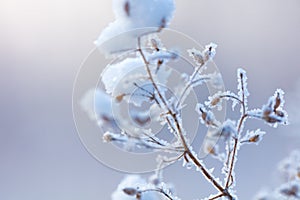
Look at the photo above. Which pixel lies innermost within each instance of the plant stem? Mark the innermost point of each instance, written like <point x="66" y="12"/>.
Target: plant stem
<point x="159" y="191"/>
<point x="190" y="83"/>
<point x="217" y="196"/>
<point x="180" y="132"/>
<point x="236" y="139"/>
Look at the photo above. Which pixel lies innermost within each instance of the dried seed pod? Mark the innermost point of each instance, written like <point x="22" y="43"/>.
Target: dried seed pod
<point x="127" y="8"/>
<point x="292" y="191"/>
<point x="107" y="137"/>
<point x="254" y="138"/>
<point x="271" y="119"/>
<point x="267" y="111"/>
<point x="211" y="150"/>
<point x="120" y="97"/>
<point x="277" y="101"/>
<point x="279" y="113"/>
<point x="215" y="101"/>
<point x="138" y="196"/>
<point x="130" y="191"/>
<point x="154" y="44"/>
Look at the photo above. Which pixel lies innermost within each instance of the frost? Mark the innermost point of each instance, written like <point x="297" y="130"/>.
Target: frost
<point x="273" y="112"/>
<point x="242" y="87"/>
<point x="216" y="80"/>
<point x="228" y="130"/>
<point x="132" y="183"/>
<point x="206" y="117"/>
<point x="217" y="99"/>
<point x="134" y="18"/>
<point x="210" y="51"/>
<point x="197" y="56"/>
<point x="200" y="58"/>
<point x="253" y="137"/>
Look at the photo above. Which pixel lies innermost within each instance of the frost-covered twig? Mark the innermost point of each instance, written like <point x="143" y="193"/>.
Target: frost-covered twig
<point x="179" y="129"/>
<point x="126" y="83"/>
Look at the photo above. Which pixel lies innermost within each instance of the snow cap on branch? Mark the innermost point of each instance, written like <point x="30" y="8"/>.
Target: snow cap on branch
<point x="98" y="106"/>
<point x="141" y="16"/>
<point x="129" y="188"/>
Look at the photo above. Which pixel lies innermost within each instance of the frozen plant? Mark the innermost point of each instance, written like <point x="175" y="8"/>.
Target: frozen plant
<point x="139" y="78"/>
<point x="289" y="169"/>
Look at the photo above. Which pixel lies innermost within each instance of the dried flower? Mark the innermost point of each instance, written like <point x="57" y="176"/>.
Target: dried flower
<point x="228" y="130"/>
<point x="209" y="51"/>
<point x="207" y="117"/>
<point x="197" y="56"/>
<point x="253" y="137"/>
<point x="130" y="191"/>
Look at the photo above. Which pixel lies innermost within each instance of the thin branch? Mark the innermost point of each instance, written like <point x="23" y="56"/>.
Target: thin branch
<point x="195" y="160"/>
<point x="157" y="190"/>
<point x="232" y="97"/>
<point x="189" y="84"/>
<point x="236" y="139"/>
<point x="217" y="196"/>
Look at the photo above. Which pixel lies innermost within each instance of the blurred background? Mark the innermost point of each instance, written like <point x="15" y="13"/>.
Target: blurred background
<point x="42" y="45"/>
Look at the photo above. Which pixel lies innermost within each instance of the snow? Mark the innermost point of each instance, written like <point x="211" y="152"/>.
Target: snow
<point x="135" y="18"/>
<point x="97" y="104"/>
<point x="114" y="73"/>
<point x="228" y="129"/>
<point x="132" y="181"/>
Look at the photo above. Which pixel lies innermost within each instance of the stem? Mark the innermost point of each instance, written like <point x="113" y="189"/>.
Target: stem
<point x="232" y="97"/>
<point x="236" y="139"/>
<point x="217" y="196"/>
<point x="234" y="152"/>
<point x="195" y="160"/>
<point x="159" y="191"/>
<point x="190" y="83"/>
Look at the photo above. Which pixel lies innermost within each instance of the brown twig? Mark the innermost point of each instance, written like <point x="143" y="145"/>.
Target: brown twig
<point x="236" y="139"/>
<point x="180" y="132"/>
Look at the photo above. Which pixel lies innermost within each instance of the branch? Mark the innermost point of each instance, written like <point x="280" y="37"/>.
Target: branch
<point x="180" y="132"/>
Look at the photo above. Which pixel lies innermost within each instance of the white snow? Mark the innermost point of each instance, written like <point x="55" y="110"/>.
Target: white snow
<point x="135" y="18"/>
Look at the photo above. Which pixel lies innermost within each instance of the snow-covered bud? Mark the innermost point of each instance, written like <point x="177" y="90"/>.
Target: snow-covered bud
<point x="253" y="137"/>
<point x="273" y="112"/>
<point x="154" y="179"/>
<point x="197" y="56"/>
<point x="291" y="189"/>
<point x="140" y="117"/>
<point x="215" y="101"/>
<point x="108" y="137"/>
<point x="211" y="148"/>
<point x="98" y="106"/>
<point x="207" y="117"/>
<point x="120" y="97"/>
<point x="290" y="167"/>
<point x="134" y="19"/>
<point x="228" y="129"/>
<point x="209" y="51"/>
